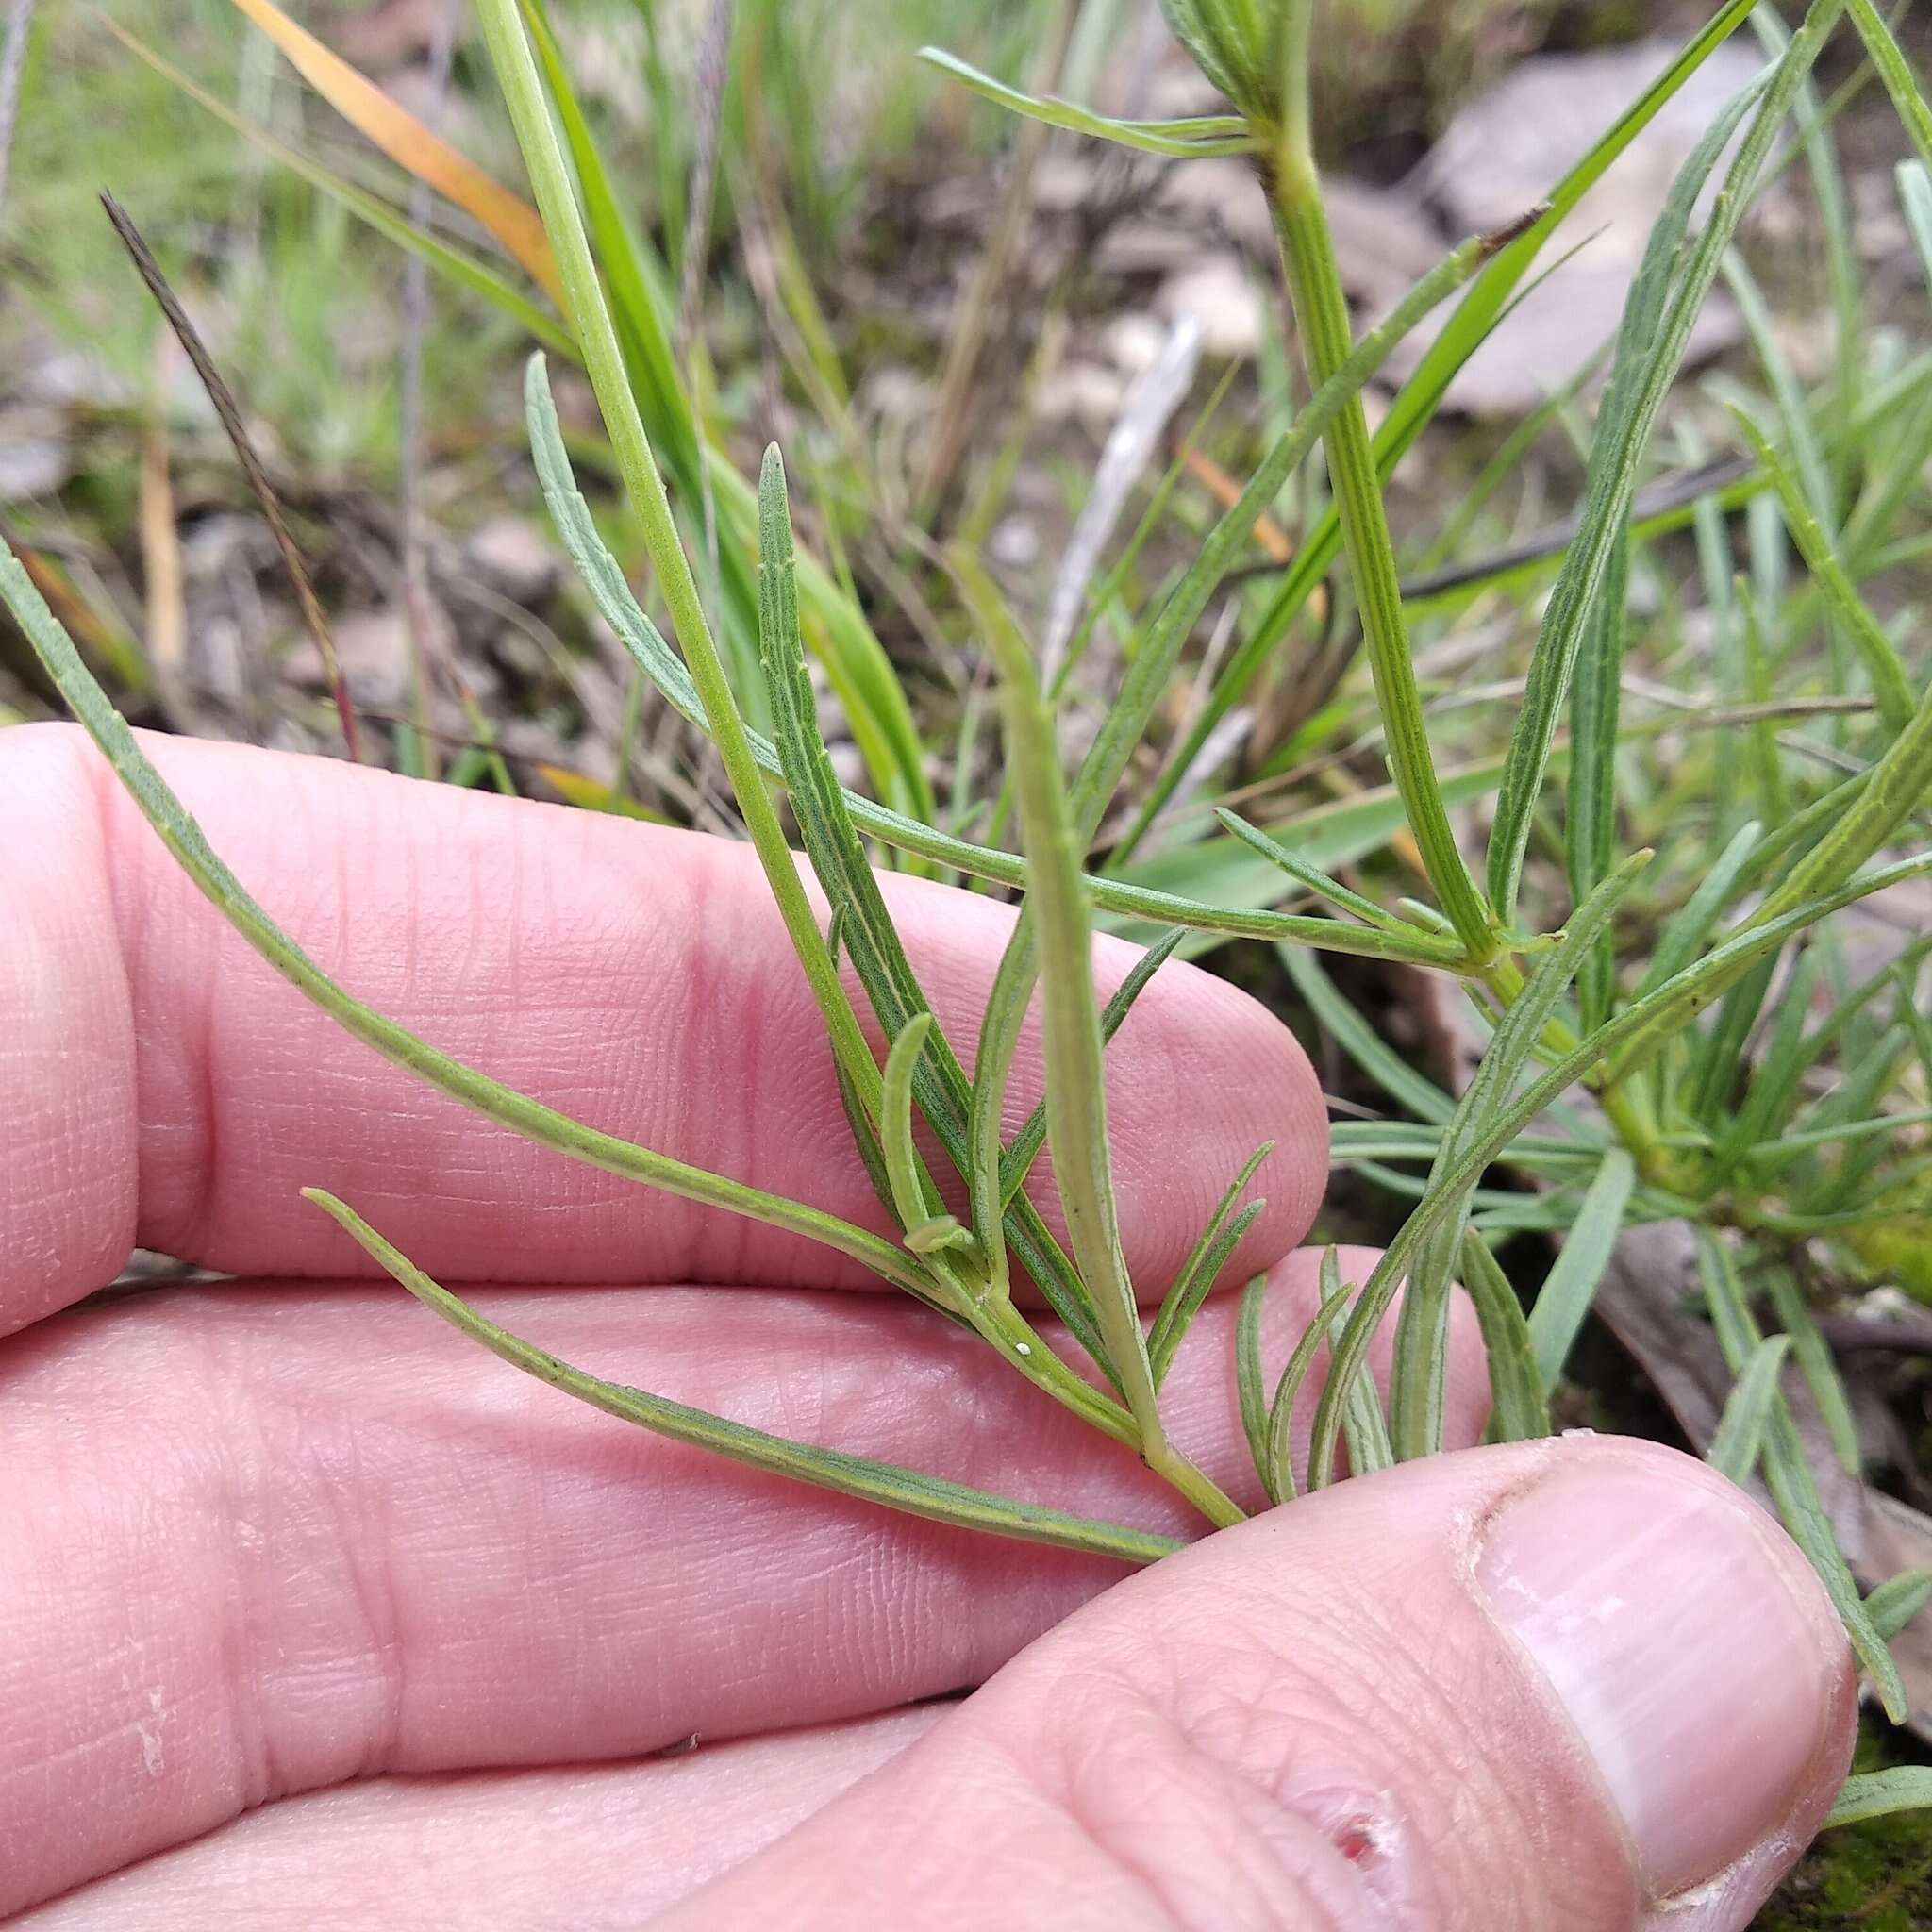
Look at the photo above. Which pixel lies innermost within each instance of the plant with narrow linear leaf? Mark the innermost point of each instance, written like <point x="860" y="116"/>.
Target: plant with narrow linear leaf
<point x="1676" y="1120"/>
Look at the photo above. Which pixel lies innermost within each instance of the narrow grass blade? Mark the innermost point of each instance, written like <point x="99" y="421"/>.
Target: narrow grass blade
<point x="1880" y="1794"/>
<point x="1353" y="1034"/>
<point x="1775" y="1081"/>
<point x="1596" y="691"/>
<point x="1278" y="1476"/>
<point x="1898" y="1600"/>
<point x="1789" y="1476"/>
<point x="1249" y="1393"/>
<point x="1207" y="134"/>
<point x="404" y="139"/>
<point x="1718" y="1063"/>
<point x="1813" y="1356"/>
<point x="1026" y="1145"/>
<point x="1309" y="877"/>
<point x="1076" y="1076"/>
<point x="1656" y="329"/>
<point x="1421" y="1336"/>
<point x="887" y="1484"/>
<point x="1879" y="655"/>
<point x="1571" y="1285"/>
<point x="536" y="1122"/>
<point x="1895" y="71"/>
<point x="1793" y="415"/>
<point x="1683" y="936"/>
<point x="1739" y="1440"/>
<point x="912" y="1197"/>
<point x="1519" y="1410"/>
<point x="1407" y="1141"/>
<point x="1890" y="791"/>
<point x="1206" y="1259"/>
<point x="1638" y="1033"/>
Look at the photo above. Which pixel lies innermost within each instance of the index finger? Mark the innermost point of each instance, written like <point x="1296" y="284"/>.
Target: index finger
<point x="165" y="1088"/>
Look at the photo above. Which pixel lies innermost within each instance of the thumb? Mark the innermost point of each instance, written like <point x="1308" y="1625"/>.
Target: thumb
<point x="1583" y="1682"/>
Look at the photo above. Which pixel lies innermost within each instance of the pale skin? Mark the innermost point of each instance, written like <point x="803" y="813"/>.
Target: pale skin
<point x="314" y="1614"/>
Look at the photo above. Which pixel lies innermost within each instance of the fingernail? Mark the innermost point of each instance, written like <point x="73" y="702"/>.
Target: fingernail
<point x="1689" y="1644"/>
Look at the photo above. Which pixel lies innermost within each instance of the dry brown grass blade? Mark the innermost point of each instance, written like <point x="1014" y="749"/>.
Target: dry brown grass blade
<point x="404" y="139"/>
<point x="160" y="538"/>
<point x="224" y="401"/>
<point x="1269" y="535"/>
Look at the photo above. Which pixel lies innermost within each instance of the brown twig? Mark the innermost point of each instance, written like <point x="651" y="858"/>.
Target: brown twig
<point x="224" y="401"/>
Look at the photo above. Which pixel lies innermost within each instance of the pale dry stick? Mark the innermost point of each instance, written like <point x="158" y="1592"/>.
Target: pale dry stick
<point x="224" y="401"/>
<point x="20" y="21"/>
<point x="1149" y="406"/>
<point x="161" y="540"/>
<point x="973" y="323"/>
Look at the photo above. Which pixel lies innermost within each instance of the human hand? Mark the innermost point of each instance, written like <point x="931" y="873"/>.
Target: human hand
<point x="291" y="1545"/>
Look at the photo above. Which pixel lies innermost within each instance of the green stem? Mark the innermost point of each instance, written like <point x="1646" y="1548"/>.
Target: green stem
<point x="1623" y="1104"/>
<point x="1314" y="283"/>
<point x="550" y="178"/>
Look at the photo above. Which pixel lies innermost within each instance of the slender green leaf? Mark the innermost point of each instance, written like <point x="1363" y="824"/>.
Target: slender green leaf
<point x="1596" y="691"/>
<point x="1309" y="877"/>
<point x="1520" y="1409"/>
<point x="1075" y="1077"/>
<point x="1571" y="1285"/>
<point x="1249" y="1393"/>
<point x="1895" y="71"/>
<point x="1146" y="682"/>
<point x="1422" y="1334"/>
<point x="913" y="1198"/>
<point x="1898" y="1600"/>
<point x="1739" y="1440"/>
<point x="1813" y="1355"/>
<point x="1207" y="134"/>
<point x="1027" y="1143"/>
<point x="1277" y="1477"/>
<point x="1775" y="1081"/>
<point x="1657" y="320"/>
<point x="1622" y="1045"/>
<point x="1794" y="417"/>
<point x="1206" y="1259"/>
<point x="885" y="1483"/>
<point x="1789" y="1476"/>
<point x="1880" y="1794"/>
<point x="1883" y="666"/>
<point x="1888" y="794"/>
